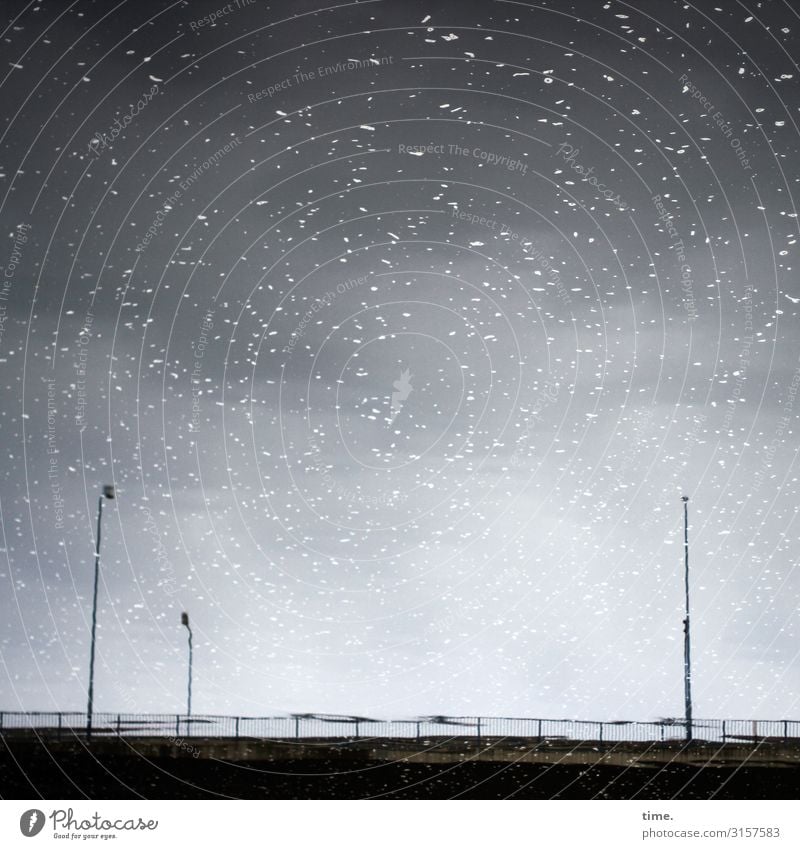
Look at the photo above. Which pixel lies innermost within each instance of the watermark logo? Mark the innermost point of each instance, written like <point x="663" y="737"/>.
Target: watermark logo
<point x="168" y="582"/>
<point x="199" y="350"/>
<point x="528" y="247"/>
<point x="66" y="826"/>
<point x="210" y="19"/>
<point x="570" y="156"/>
<point x="680" y="252"/>
<point x="31" y="822"/>
<point x="718" y="118"/>
<point x="100" y="140"/>
<point x="546" y="397"/>
<point x="403" y="389"/>
<point x="487" y="156"/>
<point x="302" y="77"/>
<point x="323" y="301"/>
<point x="169" y="203"/>
<point x="20" y="238"/>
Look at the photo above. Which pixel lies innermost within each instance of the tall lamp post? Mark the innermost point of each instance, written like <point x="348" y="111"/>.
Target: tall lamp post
<point x="185" y="623"/>
<point x="687" y="656"/>
<point x="108" y="492"/>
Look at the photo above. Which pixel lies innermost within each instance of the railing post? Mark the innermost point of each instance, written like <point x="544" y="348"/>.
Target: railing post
<point x="479" y="729"/>
<point x="785" y="729"/>
<point x="297" y="726"/>
<point x="540" y="731"/>
<point x="237" y="727"/>
<point x="418" y="729"/>
<point x="356" y="729"/>
<point x="119" y="725"/>
<point x="177" y="725"/>
<point x="724" y="734"/>
<point x="601" y="732"/>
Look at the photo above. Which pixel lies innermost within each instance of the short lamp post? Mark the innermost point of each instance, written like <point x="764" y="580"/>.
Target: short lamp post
<point x="108" y="492"/>
<point x="185" y="623"/>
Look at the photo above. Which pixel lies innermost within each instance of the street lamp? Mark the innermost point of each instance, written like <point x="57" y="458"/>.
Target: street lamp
<point x="185" y="623"/>
<point x="108" y="492"/>
<point x="687" y="657"/>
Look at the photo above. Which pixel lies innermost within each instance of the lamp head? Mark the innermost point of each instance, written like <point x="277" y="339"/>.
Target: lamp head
<point x="185" y="619"/>
<point x="684" y="498"/>
<point x="108" y="491"/>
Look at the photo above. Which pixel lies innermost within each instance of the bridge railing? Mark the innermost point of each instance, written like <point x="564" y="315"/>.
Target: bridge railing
<point x="328" y="727"/>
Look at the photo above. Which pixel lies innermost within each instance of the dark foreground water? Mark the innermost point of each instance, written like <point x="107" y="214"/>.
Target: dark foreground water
<point x="34" y="771"/>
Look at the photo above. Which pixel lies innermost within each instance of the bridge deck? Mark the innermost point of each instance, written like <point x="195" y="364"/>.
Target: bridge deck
<point x="439" y="749"/>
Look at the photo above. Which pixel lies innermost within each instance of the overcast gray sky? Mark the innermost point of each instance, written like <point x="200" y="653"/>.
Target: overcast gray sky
<point x="400" y="328"/>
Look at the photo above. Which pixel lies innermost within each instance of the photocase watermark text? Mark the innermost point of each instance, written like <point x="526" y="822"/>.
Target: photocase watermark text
<point x="570" y="156"/>
<point x="101" y="140"/>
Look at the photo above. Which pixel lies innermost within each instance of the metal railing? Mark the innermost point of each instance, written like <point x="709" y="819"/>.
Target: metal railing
<point x="313" y="726"/>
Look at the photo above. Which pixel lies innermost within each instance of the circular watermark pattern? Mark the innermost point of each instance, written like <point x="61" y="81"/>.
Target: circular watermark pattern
<point x="399" y="336"/>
